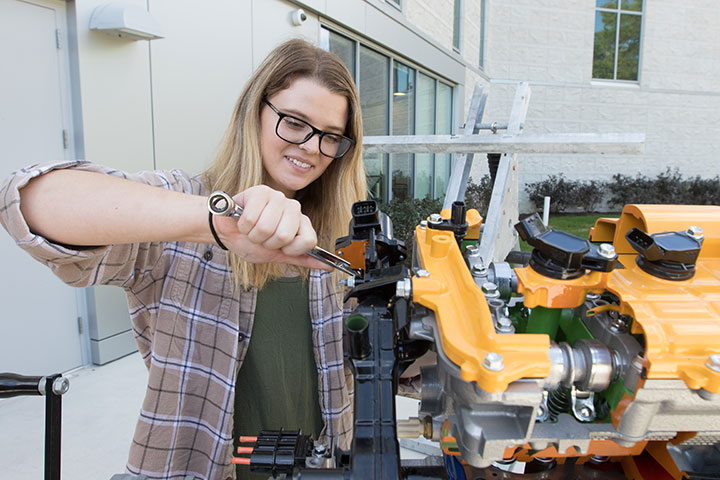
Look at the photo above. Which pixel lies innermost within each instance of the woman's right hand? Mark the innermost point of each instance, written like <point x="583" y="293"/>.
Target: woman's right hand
<point x="272" y="228"/>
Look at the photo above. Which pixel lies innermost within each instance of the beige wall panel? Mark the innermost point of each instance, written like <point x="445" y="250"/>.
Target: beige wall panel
<point x="115" y="95"/>
<point x="198" y="71"/>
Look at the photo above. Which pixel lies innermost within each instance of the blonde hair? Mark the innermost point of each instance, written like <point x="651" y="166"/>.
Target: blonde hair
<point x="238" y="165"/>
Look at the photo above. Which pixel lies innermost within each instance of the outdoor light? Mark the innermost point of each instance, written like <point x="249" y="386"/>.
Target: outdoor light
<point x="125" y="20"/>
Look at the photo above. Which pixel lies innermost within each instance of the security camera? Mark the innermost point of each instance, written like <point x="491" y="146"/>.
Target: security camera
<point x="298" y="17"/>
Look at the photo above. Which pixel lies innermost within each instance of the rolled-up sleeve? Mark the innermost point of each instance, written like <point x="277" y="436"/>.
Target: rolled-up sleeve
<point x="121" y="264"/>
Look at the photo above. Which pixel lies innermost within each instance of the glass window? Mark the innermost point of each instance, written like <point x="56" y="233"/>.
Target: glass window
<point x="444" y="127"/>
<point x="341" y="46"/>
<point x="397" y="99"/>
<point x="457" y="23"/>
<point x="616" y="53"/>
<point x="403" y="123"/>
<point x="482" y="34"/>
<point x="374" y="80"/>
<point x="425" y="125"/>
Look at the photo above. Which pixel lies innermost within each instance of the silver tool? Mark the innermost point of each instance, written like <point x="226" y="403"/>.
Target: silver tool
<point x="220" y="203"/>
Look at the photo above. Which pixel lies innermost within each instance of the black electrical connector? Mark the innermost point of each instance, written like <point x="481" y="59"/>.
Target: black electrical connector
<point x="667" y="255"/>
<point x="280" y="451"/>
<point x="561" y="255"/>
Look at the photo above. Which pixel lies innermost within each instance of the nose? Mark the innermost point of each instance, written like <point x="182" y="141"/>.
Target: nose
<point x="312" y="145"/>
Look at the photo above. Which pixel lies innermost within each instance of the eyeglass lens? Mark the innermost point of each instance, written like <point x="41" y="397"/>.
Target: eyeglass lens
<point x="296" y="131"/>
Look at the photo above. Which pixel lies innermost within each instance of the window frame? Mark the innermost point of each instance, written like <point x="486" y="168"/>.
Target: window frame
<point x="618" y="11"/>
<point x="393" y="58"/>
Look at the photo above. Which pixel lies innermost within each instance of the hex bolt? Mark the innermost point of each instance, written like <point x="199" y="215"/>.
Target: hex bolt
<point x="505" y="325"/>
<point x="493" y="361"/>
<point x="472" y="250"/>
<point x="696" y="232"/>
<point x="714" y="362"/>
<point x="479" y="270"/>
<point x="422" y="273"/>
<point x="435" y="219"/>
<point x="60" y="386"/>
<point x="423" y="224"/>
<point x="490" y="290"/>
<point x="606" y="250"/>
<point x="347" y="282"/>
<point x="319" y="450"/>
<point x="403" y="287"/>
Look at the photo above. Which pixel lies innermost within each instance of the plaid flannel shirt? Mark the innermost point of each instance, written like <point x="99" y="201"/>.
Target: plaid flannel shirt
<point x="192" y="327"/>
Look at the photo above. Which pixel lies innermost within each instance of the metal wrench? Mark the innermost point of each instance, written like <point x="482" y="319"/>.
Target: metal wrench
<point x="222" y="204"/>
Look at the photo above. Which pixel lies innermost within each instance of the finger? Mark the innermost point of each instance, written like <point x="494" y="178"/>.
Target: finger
<point x="287" y="228"/>
<point x="253" y="201"/>
<point x="305" y="240"/>
<point x="268" y="222"/>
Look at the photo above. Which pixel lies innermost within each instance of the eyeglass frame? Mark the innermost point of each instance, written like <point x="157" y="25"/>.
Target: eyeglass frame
<point x="315" y="131"/>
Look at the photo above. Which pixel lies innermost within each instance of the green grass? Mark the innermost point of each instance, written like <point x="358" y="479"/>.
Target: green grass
<point x="579" y="225"/>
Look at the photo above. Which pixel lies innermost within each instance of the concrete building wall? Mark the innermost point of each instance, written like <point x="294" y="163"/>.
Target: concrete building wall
<point x="675" y="103"/>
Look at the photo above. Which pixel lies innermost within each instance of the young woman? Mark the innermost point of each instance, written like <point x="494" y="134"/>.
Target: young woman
<point x="235" y="340"/>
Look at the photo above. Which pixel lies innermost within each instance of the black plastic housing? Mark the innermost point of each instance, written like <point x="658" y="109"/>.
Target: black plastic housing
<point x="667" y="255"/>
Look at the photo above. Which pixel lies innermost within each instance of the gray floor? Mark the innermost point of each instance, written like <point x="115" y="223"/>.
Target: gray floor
<point x="99" y="414"/>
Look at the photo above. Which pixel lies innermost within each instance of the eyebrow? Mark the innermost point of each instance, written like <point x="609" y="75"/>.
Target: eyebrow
<point x="304" y="117"/>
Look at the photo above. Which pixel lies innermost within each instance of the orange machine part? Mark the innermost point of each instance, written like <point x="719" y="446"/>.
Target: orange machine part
<point x="473" y="219"/>
<point x="680" y="320"/>
<point x="354" y="253"/>
<point x="606" y="448"/>
<point x="553" y="293"/>
<point x="464" y="320"/>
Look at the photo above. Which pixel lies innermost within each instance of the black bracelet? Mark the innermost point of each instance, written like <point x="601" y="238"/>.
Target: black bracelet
<point x="214" y="233"/>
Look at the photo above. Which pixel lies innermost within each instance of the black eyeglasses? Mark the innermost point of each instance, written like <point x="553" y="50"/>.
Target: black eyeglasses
<point x="297" y="131"/>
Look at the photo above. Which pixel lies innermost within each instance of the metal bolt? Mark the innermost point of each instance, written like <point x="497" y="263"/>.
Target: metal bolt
<point x="403" y="287"/>
<point x="479" y="270"/>
<point x="423" y="224"/>
<point x="319" y="450"/>
<point x="696" y="232"/>
<point x="606" y="250"/>
<point x="60" y="386"/>
<point x="435" y="219"/>
<point x="505" y="325"/>
<point x="472" y="250"/>
<point x="490" y="290"/>
<point x="347" y="282"/>
<point x="494" y="361"/>
<point x="714" y="362"/>
<point x="422" y="273"/>
<point x="585" y="413"/>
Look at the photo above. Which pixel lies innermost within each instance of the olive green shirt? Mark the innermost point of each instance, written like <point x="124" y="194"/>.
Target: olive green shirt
<point x="277" y="384"/>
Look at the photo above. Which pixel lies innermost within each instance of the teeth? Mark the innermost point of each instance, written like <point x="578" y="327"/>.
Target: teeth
<point x="299" y="163"/>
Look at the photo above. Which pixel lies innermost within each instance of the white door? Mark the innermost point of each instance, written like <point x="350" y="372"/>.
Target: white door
<point x="38" y="314"/>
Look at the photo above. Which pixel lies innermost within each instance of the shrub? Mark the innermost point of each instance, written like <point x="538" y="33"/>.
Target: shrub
<point x="477" y="195"/>
<point x="407" y="213"/>
<point x="668" y="187"/>
<point x="557" y="187"/>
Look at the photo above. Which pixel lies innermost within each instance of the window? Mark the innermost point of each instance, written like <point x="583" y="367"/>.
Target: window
<point x="374" y="93"/>
<point x="397" y="99"/>
<point x="457" y="23"/>
<point x="395" y="3"/>
<point x="481" y="60"/>
<point x="616" y="55"/>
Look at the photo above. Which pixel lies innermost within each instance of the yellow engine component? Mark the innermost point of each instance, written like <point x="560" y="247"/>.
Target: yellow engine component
<point x="464" y="319"/>
<point x="680" y="320"/>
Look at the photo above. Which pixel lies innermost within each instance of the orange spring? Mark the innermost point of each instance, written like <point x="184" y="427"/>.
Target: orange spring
<point x="245" y="450"/>
<point x="240" y="461"/>
<point x="248" y="439"/>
